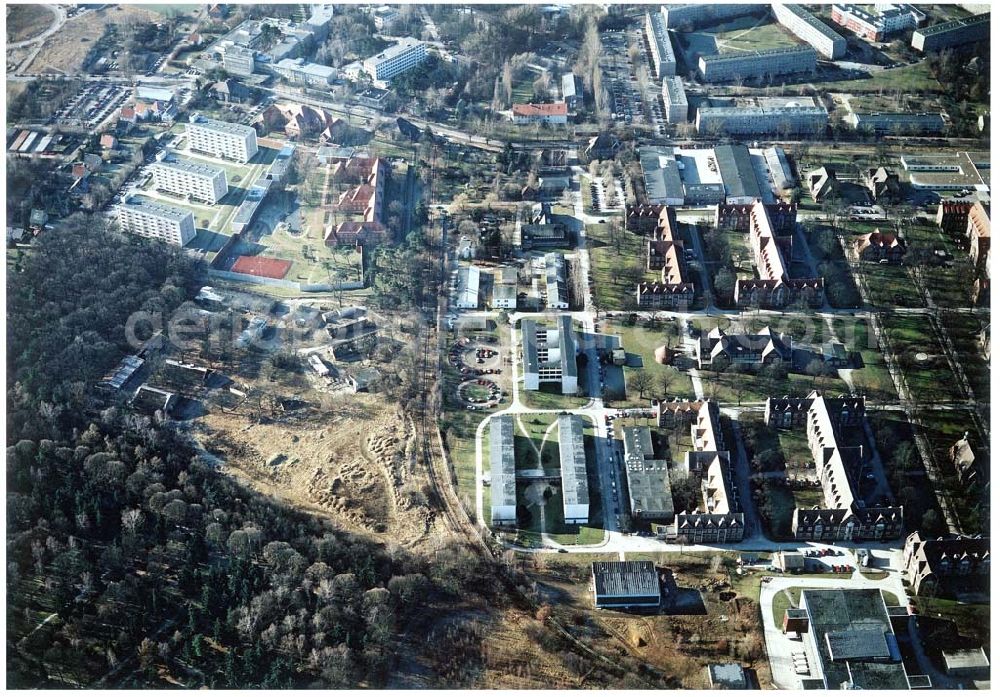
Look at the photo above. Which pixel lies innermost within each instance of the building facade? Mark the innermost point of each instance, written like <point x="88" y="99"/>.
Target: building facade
<point x="395" y="60"/>
<point x="786" y="120"/>
<point x="675" y="103"/>
<point x="156" y="221"/>
<point x="573" y="470"/>
<point x="810" y="29"/>
<point x="228" y="141"/>
<point x="186" y="179"/>
<point x="664" y="61"/>
<point x="942" y="565"/>
<point x="960" y="32"/>
<point x="887" y="19"/>
<point x="898" y="123"/>
<point x="695" y="15"/>
<point x="758" y="65"/>
<point x="549" y="355"/>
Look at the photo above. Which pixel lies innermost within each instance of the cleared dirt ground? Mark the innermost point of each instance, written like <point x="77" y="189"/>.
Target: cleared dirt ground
<point x="64" y="51"/>
<point x="26" y="21"/>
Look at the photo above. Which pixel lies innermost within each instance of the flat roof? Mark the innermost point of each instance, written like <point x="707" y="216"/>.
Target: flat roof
<point x="156" y="208"/>
<point x="661" y="43"/>
<point x="403" y="46"/>
<point x="223" y="127"/>
<point x="189" y="167"/>
<point x="503" y="489"/>
<point x="737" y="171"/>
<point x="767" y="53"/>
<point x="661" y="174"/>
<point x="625" y="578"/>
<point x="573" y="461"/>
<point x="648" y="477"/>
<point x="468" y="285"/>
<point x="814" y="22"/>
<point x="954" y="24"/>
<point x="673" y="89"/>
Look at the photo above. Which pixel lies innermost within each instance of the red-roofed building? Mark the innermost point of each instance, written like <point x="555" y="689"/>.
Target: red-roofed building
<point x="878" y="245"/>
<point x="128" y="114"/>
<point x="109" y="142"/>
<point x="540" y="113"/>
<point x="953" y="216"/>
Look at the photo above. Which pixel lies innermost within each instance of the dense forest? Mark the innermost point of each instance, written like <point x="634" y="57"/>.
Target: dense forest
<point x="131" y="561"/>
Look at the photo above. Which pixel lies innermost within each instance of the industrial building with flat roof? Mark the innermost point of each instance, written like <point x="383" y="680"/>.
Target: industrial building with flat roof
<point x="301" y="72"/>
<point x="231" y="141"/>
<point x="788" y="120"/>
<point x="960" y="32"/>
<point x="187" y="179"/>
<point x="810" y="29"/>
<point x="573" y="470"/>
<point x="156" y="221"/>
<point x="758" y="65"/>
<point x="664" y="61"/>
<point x="675" y="103"/>
<point x="623" y="584"/>
<point x="467" y="297"/>
<point x="503" y="491"/>
<point x="549" y="355"/>
<point x="395" y="60"/>
<point x="954" y="171"/>
<point x="648" y="479"/>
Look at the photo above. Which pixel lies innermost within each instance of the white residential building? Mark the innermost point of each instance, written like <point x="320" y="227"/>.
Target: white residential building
<point x="384" y="16"/>
<point x="664" y="61"/>
<point x="407" y="54"/>
<point x="237" y="60"/>
<point x="467" y="297"/>
<point x="220" y="139"/>
<point x="810" y="29"/>
<point x="186" y="179"/>
<point x="675" y="103"/>
<point x="787" y="120"/>
<point x="549" y="355"/>
<point x="503" y="493"/>
<point x="156" y="221"/>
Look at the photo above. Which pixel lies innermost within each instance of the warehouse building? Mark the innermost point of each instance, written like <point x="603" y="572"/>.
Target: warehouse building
<point x="624" y="584"/>
<point x="951" y="172"/>
<point x="556" y="290"/>
<point x="503" y="492"/>
<point x="467" y="297"/>
<point x="664" y="61"/>
<point x="898" y="123"/>
<point x="737" y="173"/>
<point x="791" y="120"/>
<point x="810" y="29"/>
<point x="395" y="60"/>
<point x="573" y="470"/>
<point x="961" y="32"/>
<point x="156" y="221"/>
<point x="647" y="476"/>
<point x="690" y="16"/>
<point x="675" y="103"/>
<point x="661" y="175"/>
<point x="190" y="180"/>
<point x="230" y="141"/>
<point x="549" y="355"/>
<point x="300" y="72"/>
<point x="759" y="65"/>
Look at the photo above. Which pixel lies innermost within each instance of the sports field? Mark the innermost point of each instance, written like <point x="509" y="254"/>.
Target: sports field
<point x="267" y="267"/>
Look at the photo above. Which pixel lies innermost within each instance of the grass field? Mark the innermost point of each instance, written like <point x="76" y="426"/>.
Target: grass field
<point x="762" y="37"/>
<point x="914" y="79"/>
<point x="929" y="378"/>
<point x="668" y="382"/>
<point x="27" y="21"/>
<point x="612" y="266"/>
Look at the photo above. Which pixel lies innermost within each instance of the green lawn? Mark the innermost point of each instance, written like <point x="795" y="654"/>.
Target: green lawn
<point x="616" y="265"/>
<point x="536" y="425"/>
<point x="548" y="396"/>
<point x="930" y="378"/>
<point x="642" y="341"/>
<point x="971" y="619"/>
<point x="912" y="79"/>
<point x="762" y="37"/>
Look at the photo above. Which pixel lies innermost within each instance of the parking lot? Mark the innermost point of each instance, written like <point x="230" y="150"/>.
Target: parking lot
<point x="95" y="102"/>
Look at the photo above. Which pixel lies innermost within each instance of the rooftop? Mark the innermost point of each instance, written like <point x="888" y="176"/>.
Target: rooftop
<point x="189" y="167"/>
<point x="555" y="109"/>
<point x="162" y="210"/>
<point x="573" y="461"/>
<point x="502" y="487"/>
<point x="767" y="53"/>
<point x="737" y="171"/>
<point x="624" y="578"/>
<point x="648" y="476"/>
<point x="222" y="126"/>
<point x="954" y="24"/>
<point x="400" y="48"/>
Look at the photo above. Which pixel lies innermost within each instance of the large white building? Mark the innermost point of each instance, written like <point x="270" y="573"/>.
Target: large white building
<point x="467" y="295"/>
<point x="237" y="60"/>
<point x="755" y="120"/>
<point x="573" y="470"/>
<point x="758" y="65"/>
<point x="664" y="61"/>
<point x="186" y="179"/>
<point x="407" y="54"/>
<point x="810" y="29"/>
<point x="696" y="15"/>
<point x="156" y="221"/>
<point x="549" y="355"/>
<point x="675" y="103"/>
<point x="300" y="72"/>
<point x="230" y="141"/>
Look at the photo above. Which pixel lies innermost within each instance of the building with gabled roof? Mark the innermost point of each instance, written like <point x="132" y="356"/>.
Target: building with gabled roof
<point x="877" y="246"/>
<point x="665" y="253"/>
<point x="556" y="112"/>
<point x="945" y="564"/>
<point x="883" y="183"/>
<point x="573" y="470"/>
<point x="822" y="182"/>
<point x="625" y="584"/>
<point x="717" y="349"/>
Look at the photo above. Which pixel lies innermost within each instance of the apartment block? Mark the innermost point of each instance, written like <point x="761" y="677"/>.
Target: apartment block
<point x="952" y="34"/>
<point x="395" y="60"/>
<point x="761" y="65"/>
<point x="947" y="564"/>
<point x="665" y="253"/>
<point x="675" y="103"/>
<point x="887" y="19"/>
<point x="229" y="141"/>
<point x="238" y="60"/>
<point x="156" y="221"/>
<point x="791" y="120"/>
<point x="186" y="179"/>
<point x="664" y="61"/>
<point x="810" y="29"/>
<point x="684" y="16"/>
<point x="898" y="123"/>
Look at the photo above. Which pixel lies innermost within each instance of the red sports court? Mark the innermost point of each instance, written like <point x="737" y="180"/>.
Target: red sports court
<point x="268" y="267"/>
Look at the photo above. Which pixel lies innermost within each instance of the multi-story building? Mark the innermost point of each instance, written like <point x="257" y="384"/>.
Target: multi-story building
<point x="573" y="470"/>
<point x="857" y="506"/>
<point x="395" y="60"/>
<point x="878" y="246"/>
<point x="237" y="60"/>
<point x="932" y="566"/>
<point x="887" y="19"/>
<point x="187" y="179"/>
<point x="665" y="253"/>
<point x="774" y="287"/>
<point x="556" y="291"/>
<point x="953" y="216"/>
<point x="693" y="15"/>
<point x="675" y="103"/>
<point x="299" y="72"/>
<point x="664" y="61"/>
<point x="978" y="234"/>
<point x="647" y="477"/>
<point x="557" y="112"/>
<point x="758" y="65"/>
<point x="503" y="493"/>
<point x="384" y="16"/>
<point x="716" y="349"/>
<point x="961" y="32"/>
<point x="898" y="123"/>
<point x="230" y="141"/>
<point x="156" y="221"/>
<point x="549" y="355"/>
<point x="754" y="120"/>
<point x="810" y="29"/>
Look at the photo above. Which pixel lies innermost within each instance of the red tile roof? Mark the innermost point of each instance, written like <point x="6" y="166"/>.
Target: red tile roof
<point x="556" y="109"/>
